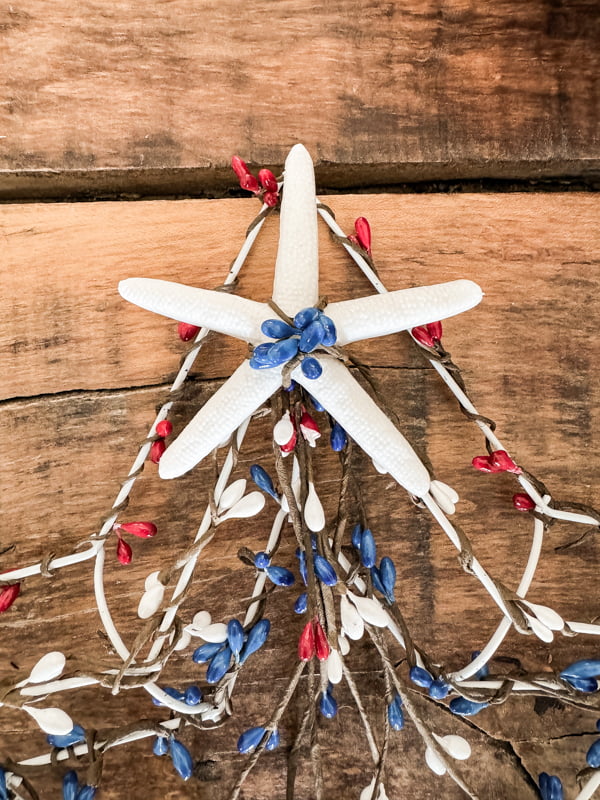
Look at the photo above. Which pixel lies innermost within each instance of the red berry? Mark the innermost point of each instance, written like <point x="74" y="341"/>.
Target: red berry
<point x="504" y="463"/>
<point x="249" y="183"/>
<point x="164" y="428"/>
<point x="124" y="552"/>
<point x="267" y="180"/>
<point x="239" y="167"/>
<point x="143" y="530"/>
<point x="187" y="332"/>
<point x="321" y="644"/>
<point x="8" y="595"/>
<point x="306" y="643"/>
<point x="498" y="461"/>
<point x="435" y="330"/>
<point x="157" y="449"/>
<point x="423" y="336"/>
<point x="483" y="464"/>
<point x="306" y="421"/>
<point x="363" y="233"/>
<point x="270" y="199"/>
<point x="289" y="446"/>
<point x="522" y="502"/>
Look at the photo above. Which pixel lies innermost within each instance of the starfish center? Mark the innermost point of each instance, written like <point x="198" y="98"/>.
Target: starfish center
<point x="309" y="329"/>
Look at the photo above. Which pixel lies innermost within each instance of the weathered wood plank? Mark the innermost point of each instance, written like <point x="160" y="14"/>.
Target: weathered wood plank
<point x="529" y="353"/>
<point x="156" y="98"/>
<point x="64" y="327"/>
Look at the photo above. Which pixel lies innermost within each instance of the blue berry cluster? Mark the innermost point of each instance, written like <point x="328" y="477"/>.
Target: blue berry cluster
<point x="75" y="736"/>
<point x="236" y="649"/>
<point x="250" y="739"/>
<point x="551" y="787"/>
<point x="73" y="790"/>
<point x="383" y="576"/>
<point x="395" y="713"/>
<point x="180" y="755"/>
<point x="461" y="706"/>
<point x="280" y="576"/>
<point x="324" y="572"/>
<point x="323" y="569"/>
<point x="583" y="675"/>
<point x="310" y="329"/>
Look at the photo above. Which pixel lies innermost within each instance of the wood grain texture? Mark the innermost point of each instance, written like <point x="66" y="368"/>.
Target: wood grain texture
<point x="155" y="98"/>
<point x="65" y="328"/>
<point x="83" y="373"/>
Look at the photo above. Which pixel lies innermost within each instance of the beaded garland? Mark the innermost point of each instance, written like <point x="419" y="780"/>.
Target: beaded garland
<point x="349" y="589"/>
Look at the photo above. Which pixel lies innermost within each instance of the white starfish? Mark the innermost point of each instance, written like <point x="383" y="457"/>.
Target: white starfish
<point x="295" y="287"/>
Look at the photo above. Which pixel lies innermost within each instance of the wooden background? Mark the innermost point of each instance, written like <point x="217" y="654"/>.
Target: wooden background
<point x="126" y="99"/>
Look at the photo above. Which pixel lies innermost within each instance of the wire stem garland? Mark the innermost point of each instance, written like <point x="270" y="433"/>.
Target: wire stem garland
<point x="349" y="589"/>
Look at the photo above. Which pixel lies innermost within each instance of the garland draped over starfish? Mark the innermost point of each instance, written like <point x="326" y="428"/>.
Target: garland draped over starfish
<point x="296" y="293"/>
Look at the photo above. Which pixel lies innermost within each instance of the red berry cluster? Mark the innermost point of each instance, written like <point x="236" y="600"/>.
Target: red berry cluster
<point x="187" y="332"/>
<point x="428" y="335"/>
<point x="8" y="595"/>
<point x="143" y="530"/>
<point x="265" y="187"/>
<point x="308" y="428"/>
<point x="163" y="429"/>
<point x="313" y="642"/>
<point x="362" y="234"/>
<point x="498" y="461"/>
<point x="522" y="502"/>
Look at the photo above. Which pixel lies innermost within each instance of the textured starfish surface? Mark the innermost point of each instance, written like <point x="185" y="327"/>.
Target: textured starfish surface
<point x="296" y="287"/>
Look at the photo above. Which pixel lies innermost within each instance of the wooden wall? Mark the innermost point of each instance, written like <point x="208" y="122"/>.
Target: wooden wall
<point x="121" y="100"/>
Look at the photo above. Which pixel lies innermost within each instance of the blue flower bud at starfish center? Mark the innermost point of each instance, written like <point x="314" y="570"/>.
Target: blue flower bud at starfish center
<point x="277" y="329"/>
<point x="311" y="368"/>
<point x="311" y="328"/>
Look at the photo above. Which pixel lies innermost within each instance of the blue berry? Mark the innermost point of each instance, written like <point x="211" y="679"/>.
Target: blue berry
<point x="192" y="695"/>
<point x="160" y="746"/>
<point x="262" y="560"/>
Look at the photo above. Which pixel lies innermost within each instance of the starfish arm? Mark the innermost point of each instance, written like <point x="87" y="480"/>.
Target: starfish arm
<point x="381" y="314"/>
<point x="241" y="394"/>
<point x="348" y="403"/>
<point x="296" y="283"/>
<point x="219" y="311"/>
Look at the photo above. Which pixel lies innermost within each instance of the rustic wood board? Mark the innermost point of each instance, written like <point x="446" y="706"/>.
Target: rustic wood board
<point x="65" y="328"/>
<point x="154" y="98"/>
<point x="79" y="391"/>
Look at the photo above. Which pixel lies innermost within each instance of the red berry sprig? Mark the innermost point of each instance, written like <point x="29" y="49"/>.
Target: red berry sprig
<point x="522" y="502"/>
<point x="313" y="642"/>
<point x="124" y="552"/>
<point x="306" y="643"/>
<point x="164" y="428"/>
<point x="8" y="595"/>
<point x="309" y="428"/>
<point x="322" y="649"/>
<point x="362" y="235"/>
<point x="428" y="335"/>
<point x="143" y="530"/>
<point x="187" y="332"/>
<point x="498" y="461"/>
<point x="265" y="187"/>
